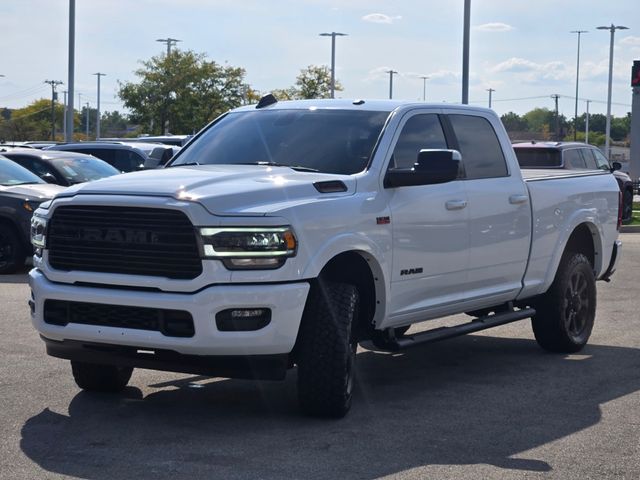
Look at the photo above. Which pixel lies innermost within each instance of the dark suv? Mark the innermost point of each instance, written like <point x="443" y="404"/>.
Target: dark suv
<point x="575" y="156"/>
<point x="21" y="192"/>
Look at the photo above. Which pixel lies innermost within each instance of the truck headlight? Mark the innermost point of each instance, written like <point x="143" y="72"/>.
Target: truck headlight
<point x="249" y="247"/>
<point x="38" y="231"/>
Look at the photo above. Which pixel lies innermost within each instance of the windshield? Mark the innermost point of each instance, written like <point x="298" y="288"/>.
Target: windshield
<point x="538" y="157"/>
<point x="13" y="174"/>
<point x="330" y="141"/>
<point x="79" y="170"/>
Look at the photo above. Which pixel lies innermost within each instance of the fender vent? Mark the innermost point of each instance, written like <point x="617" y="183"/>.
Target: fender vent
<point x="331" y="186"/>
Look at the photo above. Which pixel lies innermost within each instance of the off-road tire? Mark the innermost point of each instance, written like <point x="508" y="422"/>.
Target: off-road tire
<point x="100" y="378"/>
<point x="12" y="254"/>
<point x="326" y="351"/>
<point x="566" y="312"/>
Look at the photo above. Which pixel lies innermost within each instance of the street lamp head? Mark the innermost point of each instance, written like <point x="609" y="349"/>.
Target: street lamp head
<point x="333" y="34"/>
<point x="613" y="27"/>
<point x="579" y="31"/>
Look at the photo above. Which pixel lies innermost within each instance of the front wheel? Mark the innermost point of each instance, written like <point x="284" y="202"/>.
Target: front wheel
<point x="326" y="352"/>
<point x="566" y="312"/>
<point x="100" y="378"/>
<point x="11" y="250"/>
<point x="627" y="206"/>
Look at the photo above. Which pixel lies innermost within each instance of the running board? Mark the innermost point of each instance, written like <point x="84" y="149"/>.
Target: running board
<point x="443" y="333"/>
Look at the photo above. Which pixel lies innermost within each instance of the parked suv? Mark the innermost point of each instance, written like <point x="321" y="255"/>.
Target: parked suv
<point x="124" y="157"/>
<point x="21" y="192"/>
<point x="61" y="168"/>
<point x="575" y="156"/>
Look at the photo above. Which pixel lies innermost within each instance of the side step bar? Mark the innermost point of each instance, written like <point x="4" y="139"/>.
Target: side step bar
<point x="443" y="333"/>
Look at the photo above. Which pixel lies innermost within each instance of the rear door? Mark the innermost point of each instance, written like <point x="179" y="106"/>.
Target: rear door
<point x="499" y="211"/>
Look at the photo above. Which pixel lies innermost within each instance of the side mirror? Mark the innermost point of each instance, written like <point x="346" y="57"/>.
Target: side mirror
<point x="432" y="167"/>
<point x="616" y="166"/>
<point x="49" y="178"/>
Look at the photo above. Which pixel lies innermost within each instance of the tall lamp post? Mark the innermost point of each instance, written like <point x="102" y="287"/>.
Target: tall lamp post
<point x="612" y="29"/>
<point x="71" y="74"/>
<point x="575" y="117"/>
<point x="465" y="52"/>
<point x="391" y="74"/>
<point x="170" y="43"/>
<point x="98" y="107"/>
<point x="424" y="87"/>
<point x="333" y="36"/>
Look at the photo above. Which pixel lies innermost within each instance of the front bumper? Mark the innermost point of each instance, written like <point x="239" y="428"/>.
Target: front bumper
<point x="286" y="302"/>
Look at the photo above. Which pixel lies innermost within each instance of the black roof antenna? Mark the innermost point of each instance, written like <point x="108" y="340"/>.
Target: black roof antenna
<point x="267" y="100"/>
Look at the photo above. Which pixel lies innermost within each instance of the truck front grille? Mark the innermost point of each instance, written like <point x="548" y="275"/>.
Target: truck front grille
<point x="128" y="240"/>
<point x="171" y="323"/>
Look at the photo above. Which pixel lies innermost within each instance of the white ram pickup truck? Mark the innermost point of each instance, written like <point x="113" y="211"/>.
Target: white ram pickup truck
<point x="286" y="233"/>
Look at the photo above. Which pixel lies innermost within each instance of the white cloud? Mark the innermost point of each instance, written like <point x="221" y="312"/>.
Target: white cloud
<point x="534" y="73"/>
<point x="630" y="41"/>
<point x="380" y="18"/>
<point x="517" y="65"/>
<point x="494" y="27"/>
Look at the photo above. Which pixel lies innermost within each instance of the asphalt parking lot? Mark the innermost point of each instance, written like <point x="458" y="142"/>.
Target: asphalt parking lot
<point x="490" y="405"/>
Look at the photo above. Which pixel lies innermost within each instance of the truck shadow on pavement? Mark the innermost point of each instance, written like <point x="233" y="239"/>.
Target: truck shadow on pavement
<point x="473" y="400"/>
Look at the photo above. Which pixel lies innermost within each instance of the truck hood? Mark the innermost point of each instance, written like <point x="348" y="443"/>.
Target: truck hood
<point x="33" y="191"/>
<point x="222" y="189"/>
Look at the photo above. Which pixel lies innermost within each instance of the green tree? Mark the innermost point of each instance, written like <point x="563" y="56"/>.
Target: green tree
<point x="113" y="124"/>
<point x="315" y="82"/>
<point x="514" y="122"/>
<point x="32" y="122"/>
<point x="182" y="91"/>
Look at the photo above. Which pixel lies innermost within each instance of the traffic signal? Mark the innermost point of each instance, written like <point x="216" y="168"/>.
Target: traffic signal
<point x="635" y="74"/>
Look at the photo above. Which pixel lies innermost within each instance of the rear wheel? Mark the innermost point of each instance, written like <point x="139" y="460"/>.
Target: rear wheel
<point x="326" y="352"/>
<point x="566" y="312"/>
<point x="100" y="378"/>
<point x="11" y="250"/>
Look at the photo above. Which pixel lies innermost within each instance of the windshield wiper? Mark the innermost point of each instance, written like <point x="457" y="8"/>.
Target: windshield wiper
<point x="299" y="168"/>
<point x="182" y="164"/>
<point x="21" y="183"/>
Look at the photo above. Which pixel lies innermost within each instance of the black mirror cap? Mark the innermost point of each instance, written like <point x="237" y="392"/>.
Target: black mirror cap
<point x="433" y="167"/>
<point x="616" y="166"/>
<point x="49" y="178"/>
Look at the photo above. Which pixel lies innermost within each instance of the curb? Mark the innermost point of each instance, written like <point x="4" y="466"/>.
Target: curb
<point x="630" y="229"/>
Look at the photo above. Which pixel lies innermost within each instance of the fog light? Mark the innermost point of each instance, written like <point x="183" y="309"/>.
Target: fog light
<point x="243" y="319"/>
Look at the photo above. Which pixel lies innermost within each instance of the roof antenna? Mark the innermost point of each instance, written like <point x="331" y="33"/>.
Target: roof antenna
<point x="266" y="100"/>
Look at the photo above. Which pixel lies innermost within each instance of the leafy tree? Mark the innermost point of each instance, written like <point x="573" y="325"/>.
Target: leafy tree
<point x="113" y="124"/>
<point x="312" y="82"/>
<point x="514" y="122"/>
<point x="32" y="122"/>
<point x="182" y="90"/>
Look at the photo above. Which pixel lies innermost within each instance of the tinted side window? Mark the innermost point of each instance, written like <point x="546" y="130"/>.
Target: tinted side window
<point x="420" y="132"/>
<point x="482" y="155"/>
<point x="573" y="159"/>
<point x="101" y="153"/>
<point x="127" y="161"/>
<point x="601" y="160"/>
<point x="589" y="158"/>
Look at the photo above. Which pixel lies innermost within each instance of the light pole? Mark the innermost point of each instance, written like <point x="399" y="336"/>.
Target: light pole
<point x="424" y="87"/>
<point x="70" y="82"/>
<point x="87" y="119"/>
<point x="64" y="116"/>
<point x="170" y="42"/>
<point x="490" y="90"/>
<point x="586" y="124"/>
<point x="612" y="29"/>
<point x="98" y="107"/>
<point x="465" y="52"/>
<point x="575" y="117"/>
<point x="333" y="36"/>
<point x="555" y="96"/>
<point x="391" y="74"/>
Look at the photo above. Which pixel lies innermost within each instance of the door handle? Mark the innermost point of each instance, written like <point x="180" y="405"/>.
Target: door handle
<point x="456" y="204"/>
<point x="518" y="199"/>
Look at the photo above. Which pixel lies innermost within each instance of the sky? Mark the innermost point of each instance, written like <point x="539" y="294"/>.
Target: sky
<point x="520" y="48"/>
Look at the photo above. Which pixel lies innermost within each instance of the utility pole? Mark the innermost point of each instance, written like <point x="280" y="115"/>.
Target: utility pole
<point x="98" y="108"/>
<point x="87" y="119"/>
<point x="555" y="97"/>
<point x="586" y="124"/>
<point x="424" y="87"/>
<point x="64" y="116"/>
<point x="169" y="42"/>
<point x="391" y="74"/>
<point x="70" y="82"/>
<point x="333" y="36"/>
<point x="490" y="90"/>
<point x="465" y="52"/>
<point x="54" y="96"/>
<point x="575" y="117"/>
